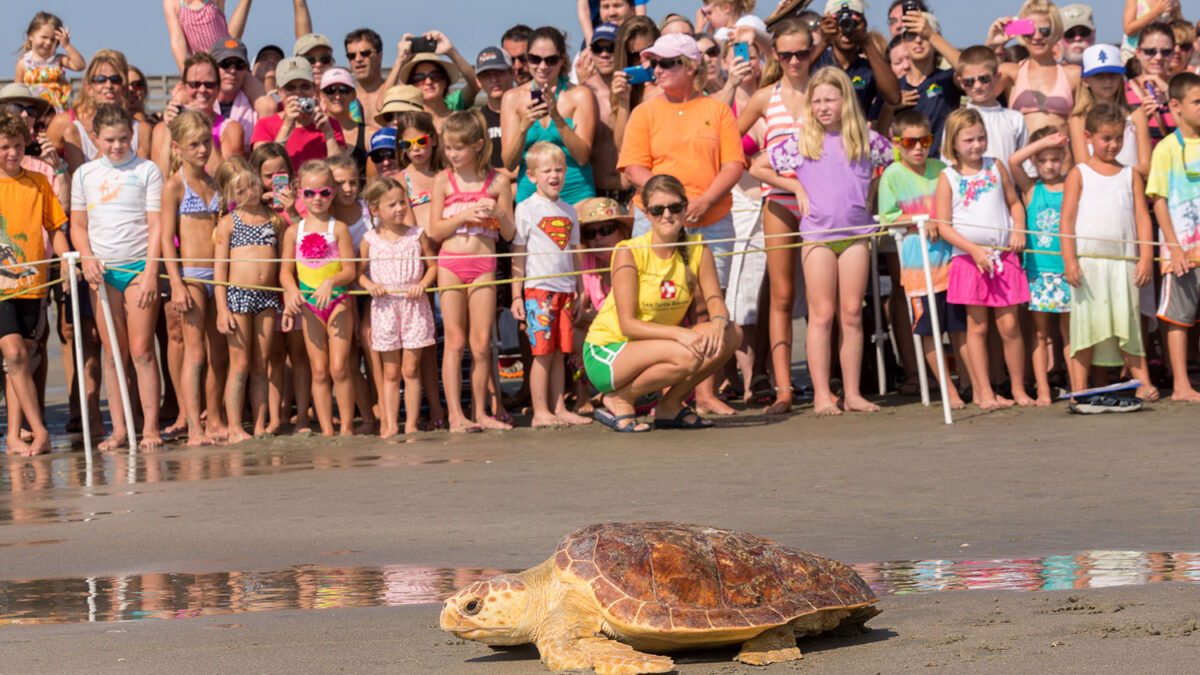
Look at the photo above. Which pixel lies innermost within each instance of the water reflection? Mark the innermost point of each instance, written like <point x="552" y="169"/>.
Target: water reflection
<point x="172" y="596"/>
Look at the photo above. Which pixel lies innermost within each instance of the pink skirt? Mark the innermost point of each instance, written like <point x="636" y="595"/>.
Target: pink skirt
<point x="1006" y="286"/>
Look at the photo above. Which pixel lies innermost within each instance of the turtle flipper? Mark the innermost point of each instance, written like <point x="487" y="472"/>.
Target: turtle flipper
<point x="569" y="639"/>
<point x="770" y="646"/>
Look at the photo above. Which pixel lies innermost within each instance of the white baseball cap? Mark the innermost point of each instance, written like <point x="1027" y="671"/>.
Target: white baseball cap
<point x="1102" y="59"/>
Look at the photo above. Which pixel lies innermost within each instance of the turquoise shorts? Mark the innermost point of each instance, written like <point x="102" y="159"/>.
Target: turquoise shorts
<point x="120" y="279"/>
<point x="598" y="361"/>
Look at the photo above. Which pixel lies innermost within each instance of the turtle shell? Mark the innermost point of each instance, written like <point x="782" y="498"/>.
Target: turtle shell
<point x="679" y="577"/>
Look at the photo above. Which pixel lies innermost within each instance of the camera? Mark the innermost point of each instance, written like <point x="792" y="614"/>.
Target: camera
<point x="308" y="105"/>
<point x="422" y="45"/>
<point x="847" y="20"/>
<point x="910" y="6"/>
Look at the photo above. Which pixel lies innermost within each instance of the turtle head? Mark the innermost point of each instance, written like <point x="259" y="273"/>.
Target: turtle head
<point x="494" y="611"/>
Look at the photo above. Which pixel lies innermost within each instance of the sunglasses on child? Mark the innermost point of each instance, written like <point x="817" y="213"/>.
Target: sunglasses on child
<point x="324" y="59"/>
<point x="658" y="209"/>
<point x="383" y="155"/>
<point x="111" y="79"/>
<point x="910" y="143"/>
<point x="985" y="80"/>
<point x="407" y="144"/>
<point x="599" y="231"/>
<point x="535" y="60"/>
<point x="323" y="193"/>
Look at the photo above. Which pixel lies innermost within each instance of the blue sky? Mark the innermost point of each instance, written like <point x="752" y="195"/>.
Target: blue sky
<point x="471" y="24"/>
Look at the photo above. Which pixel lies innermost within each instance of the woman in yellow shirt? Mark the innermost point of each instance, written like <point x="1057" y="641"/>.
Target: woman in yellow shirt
<point x="635" y="345"/>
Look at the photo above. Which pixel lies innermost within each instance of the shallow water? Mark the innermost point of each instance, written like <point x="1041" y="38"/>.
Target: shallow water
<point x="173" y="596"/>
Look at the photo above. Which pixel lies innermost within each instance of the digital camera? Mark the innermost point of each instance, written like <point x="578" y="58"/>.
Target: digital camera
<point x="308" y="105"/>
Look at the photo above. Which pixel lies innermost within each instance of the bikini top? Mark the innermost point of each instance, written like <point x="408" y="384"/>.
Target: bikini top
<point x="251" y="235"/>
<point x="415" y="198"/>
<point x="1060" y="101"/>
<point x="458" y="201"/>
<point x="192" y="204"/>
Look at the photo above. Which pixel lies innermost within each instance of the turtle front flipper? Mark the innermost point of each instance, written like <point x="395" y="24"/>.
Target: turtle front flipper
<point x="570" y="638"/>
<point x="770" y="646"/>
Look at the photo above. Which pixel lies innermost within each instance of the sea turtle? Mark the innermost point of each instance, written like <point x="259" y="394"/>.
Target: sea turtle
<point x="661" y="587"/>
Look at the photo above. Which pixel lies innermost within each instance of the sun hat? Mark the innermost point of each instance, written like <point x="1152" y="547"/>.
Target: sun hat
<point x="337" y="76"/>
<point x="398" y="99"/>
<point x="427" y="57"/>
<point x="308" y="42"/>
<point x="1102" y="59"/>
<point x="295" y="68"/>
<point x="601" y="209"/>
<point x="673" y="45"/>
<point x="384" y="139"/>
<point x="15" y="92"/>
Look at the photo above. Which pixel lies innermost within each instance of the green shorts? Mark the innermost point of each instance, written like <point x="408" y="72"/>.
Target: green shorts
<point x="597" y="362"/>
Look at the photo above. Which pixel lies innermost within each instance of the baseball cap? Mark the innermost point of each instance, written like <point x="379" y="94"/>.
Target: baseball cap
<point x="1102" y="59"/>
<point x="398" y="99"/>
<point x="337" y="76"/>
<point x="384" y="139"/>
<point x="229" y="48"/>
<point x="492" y="58"/>
<point x="308" y="42"/>
<point x="1077" y="15"/>
<point x="832" y="6"/>
<point x="675" y="44"/>
<point x="605" y="31"/>
<point x="295" y="68"/>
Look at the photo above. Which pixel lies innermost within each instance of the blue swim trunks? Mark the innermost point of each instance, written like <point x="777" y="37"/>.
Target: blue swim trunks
<point x="120" y="279"/>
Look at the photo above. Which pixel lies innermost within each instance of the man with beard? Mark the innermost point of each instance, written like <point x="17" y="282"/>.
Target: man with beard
<point x="1079" y="33"/>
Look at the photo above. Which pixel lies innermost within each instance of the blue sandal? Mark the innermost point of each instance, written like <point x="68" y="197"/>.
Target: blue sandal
<point x="677" y="421"/>
<point x="607" y="418"/>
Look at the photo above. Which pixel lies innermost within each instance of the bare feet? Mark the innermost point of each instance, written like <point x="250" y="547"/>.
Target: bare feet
<point x="113" y="442"/>
<point x="150" y="443"/>
<point x="217" y="433"/>
<point x="859" y="404"/>
<point x="197" y="439"/>
<point x="40" y="445"/>
<point x="1147" y="393"/>
<point x="387" y="430"/>
<point x="178" y="427"/>
<point x="826" y="407"/>
<point x="713" y="406"/>
<point x="1188" y="395"/>
<point x="546" y="421"/>
<point x="568" y="417"/>
<point x="490" y="423"/>
<point x="16" y="446"/>
<point x="1043" y="399"/>
<point x="464" y="427"/>
<point x="1022" y="399"/>
<point x="236" y="435"/>
<point x="994" y="403"/>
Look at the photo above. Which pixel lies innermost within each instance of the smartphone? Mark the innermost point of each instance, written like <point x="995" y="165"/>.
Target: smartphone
<point x="422" y="45"/>
<point x="538" y="96"/>
<point x="639" y="75"/>
<point x="1020" y="27"/>
<point x="742" y="51"/>
<point x="278" y="182"/>
<point x="910" y="6"/>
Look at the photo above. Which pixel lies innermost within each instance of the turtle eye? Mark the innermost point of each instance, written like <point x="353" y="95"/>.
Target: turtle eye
<point x="473" y="607"/>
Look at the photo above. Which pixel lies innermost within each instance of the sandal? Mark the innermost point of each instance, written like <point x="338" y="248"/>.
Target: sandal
<point x="678" y="422"/>
<point x="607" y="418"/>
<point x="1104" y="403"/>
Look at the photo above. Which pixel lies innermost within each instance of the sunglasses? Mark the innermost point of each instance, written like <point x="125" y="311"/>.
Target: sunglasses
<point x="324" y="59"/>
<point x="599" y="231"/>
<point x="407" y="144"/>
<point x="1078" y="33"/>
<point x="323" y="193"/>
<point x="535" y="60"/>
<point x="30" y="110"/>
<point x="432" y="76"/>
<point x="1151" y="52"/>
<point x="1045" y="30"/>
<point x="713" y="52"/>
<point x="111" y="79"/>
<point x="798" y="55"/>
<point x="969" y="82"/>
<point x="602" y="47"/>
<point x="521" y="57"/>
<point x="388" y="117"/>
<point x="233" y="64"/>
<point x="137" y="85"/>
<point x="202" y="84"/>
<point x="338" y="90"/>
<point x="658" y="209"/>
<point x="365" y="54"/>
<point x="910" y="143"/>
<point x="665" y="64"/>
<point x="383" y="155"/>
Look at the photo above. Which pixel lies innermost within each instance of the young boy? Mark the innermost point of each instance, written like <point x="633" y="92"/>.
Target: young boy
<point x="547" y="227"/>
<point x="907" y="189"/>
<point x="1174" y="185"/>
<point x="978" y="76"/>
<point x="1102" y="207"/>
<point x="937" y="92"/>
<point x="28" y="208"/>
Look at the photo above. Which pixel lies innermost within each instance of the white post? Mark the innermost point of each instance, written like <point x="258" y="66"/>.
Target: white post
<point x="918" y="347"/>
<point x="72" y="260"/>
<point x="115" y="354"/>
<point x="880" y="333"/>
<point x="934" y="321"/>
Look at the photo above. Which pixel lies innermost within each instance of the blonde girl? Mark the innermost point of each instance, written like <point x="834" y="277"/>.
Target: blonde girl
<point x="1104" y="82"/>
<point x="472" y="209"/>
<point x="827" y="165"/>
<point x="41" y="67"/>
<point x="397" y="279"/>
<point x="191" y="206"/>
<point x="316" y="286"/>
<point x="977" y="196"/>
<point x="247" y="238"/>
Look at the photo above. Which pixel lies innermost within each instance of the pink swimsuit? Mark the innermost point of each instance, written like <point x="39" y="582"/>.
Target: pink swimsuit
<point x="469" y="266"/>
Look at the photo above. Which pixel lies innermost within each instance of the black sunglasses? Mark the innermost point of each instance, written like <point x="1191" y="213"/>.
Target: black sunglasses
<point x="382" y="155"/>
<point x="112" y="79"/>
<point x="233" y="64"/>
<point x="1151" y="52"/>
<point x="138" y="85"/>
<point x="712" y="52"/>
<point x="432" y="76"/>
<point x="324" y="59"/>
<point x="30" y="110"/>
<point x="207" y="84"/>
<point x="338" y="89"/>
<point x="598" y="231"/>
<point x="798" y="55"/>
<point x="1078" y="33"/>
<point x="552" y="60"/>
<point x="658" y="209"/>
<point x="366" y="54"/>
<point x="1045" y="30"/>
<point x="665" y="64"/>
<point x="984" y="79"/>
<point x="603" y="47"/>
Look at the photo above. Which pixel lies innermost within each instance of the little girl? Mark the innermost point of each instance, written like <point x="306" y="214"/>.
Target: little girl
<point x="828" y="164"/>
<point x="245" y="239"/>
<point x="1049" y="292"/>
<point x="41" y="67"/>
<point x="1104" y="82"/>
<point x="397" y="278"/>
<point x="316" y="286"/>
<point x="191" y="207"/>
<point x="116" y="204"/>
<point x="472" y="207"/>
<point x="976" y="196"/>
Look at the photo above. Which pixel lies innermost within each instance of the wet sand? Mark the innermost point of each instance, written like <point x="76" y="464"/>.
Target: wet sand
<point x="893" y="485"/>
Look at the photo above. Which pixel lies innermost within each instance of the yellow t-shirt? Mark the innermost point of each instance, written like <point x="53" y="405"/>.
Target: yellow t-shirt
<point x="664" y="293"/>
<point x="27" y="208"/>
<point x="1169" y="167"/>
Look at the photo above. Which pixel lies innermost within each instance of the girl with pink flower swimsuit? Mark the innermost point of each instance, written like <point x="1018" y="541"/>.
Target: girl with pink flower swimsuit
<point x="315" y="288"/>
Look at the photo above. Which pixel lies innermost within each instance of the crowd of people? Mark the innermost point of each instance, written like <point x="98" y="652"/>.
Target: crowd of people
<point x="291" y="239"/>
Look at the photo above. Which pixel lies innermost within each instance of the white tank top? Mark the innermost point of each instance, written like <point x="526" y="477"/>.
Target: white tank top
<point x="976" y="201"/>
<point x="1105" y="210"/>
<point x="1129" y="148"/>
<point x="90" y="151"/>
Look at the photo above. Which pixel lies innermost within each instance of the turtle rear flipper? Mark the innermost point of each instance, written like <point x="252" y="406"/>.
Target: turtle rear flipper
<point x="774" y="645"/>
<point x="569" y="639"/>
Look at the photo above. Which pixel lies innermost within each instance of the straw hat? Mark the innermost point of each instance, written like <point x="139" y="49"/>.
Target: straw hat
<point x="15" y="92"/>
<point x="398" y="99"/>
<point x="601" y="209"/>
<point x="427" y="57"/>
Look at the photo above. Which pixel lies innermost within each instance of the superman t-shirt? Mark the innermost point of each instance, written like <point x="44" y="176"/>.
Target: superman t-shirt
<point x="549" y="231"/>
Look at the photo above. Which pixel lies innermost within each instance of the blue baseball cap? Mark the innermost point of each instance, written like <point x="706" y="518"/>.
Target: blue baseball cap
<point x="384" y="139"/>
<point x="605" y="31"/>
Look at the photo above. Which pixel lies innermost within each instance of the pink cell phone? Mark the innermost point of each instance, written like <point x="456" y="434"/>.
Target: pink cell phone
<point x="1020" y="27"/>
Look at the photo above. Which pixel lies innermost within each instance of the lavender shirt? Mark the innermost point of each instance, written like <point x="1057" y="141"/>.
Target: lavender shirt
<point x="837" y="188"/>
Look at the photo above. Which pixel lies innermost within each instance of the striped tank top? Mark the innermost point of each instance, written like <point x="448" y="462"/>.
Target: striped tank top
<point x="203" y="27"/>
<point x="780" y="124"/>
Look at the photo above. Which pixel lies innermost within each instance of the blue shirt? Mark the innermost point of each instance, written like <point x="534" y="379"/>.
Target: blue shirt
<point x="861" y="76"/>
<point x="939" y="96"/>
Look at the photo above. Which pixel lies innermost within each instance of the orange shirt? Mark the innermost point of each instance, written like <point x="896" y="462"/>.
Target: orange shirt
<point x="687" y="140"/>
<point x="28" y="208"/>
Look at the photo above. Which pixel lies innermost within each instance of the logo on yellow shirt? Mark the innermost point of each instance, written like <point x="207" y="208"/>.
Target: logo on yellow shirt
<point x="667" y="290"/>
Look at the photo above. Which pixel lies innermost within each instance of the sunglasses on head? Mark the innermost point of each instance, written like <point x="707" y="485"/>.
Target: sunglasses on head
<point x="366" y="54"/>
<point x="665" y="64"/>
<point x="552" y="60"/>
<point x="233" y="64"/>
<point x="382" y="155"/>
<point x="1078" y="33"/>
<point x="1151" y="52"/>
<point x="602" y="47"/>
<point x="432" y="76"/>
<point x="111" y="79"/>
<point x="984" y="79"/>
<point x="798" y="55"/>
<point x="206" y="84"/>
<point x="324" y="59"/>
<point x="909" y="143"/>
<point x="339" y="90"/>
<point x="599" y="231"/>
<point x="658" y="209"/>
<point x="323" y="193"/>
<point x="410" y="143"/>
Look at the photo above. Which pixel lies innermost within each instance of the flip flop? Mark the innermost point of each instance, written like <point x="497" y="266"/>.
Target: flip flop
<point x="678" y="423"/>
<point x="607" y="418"/>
